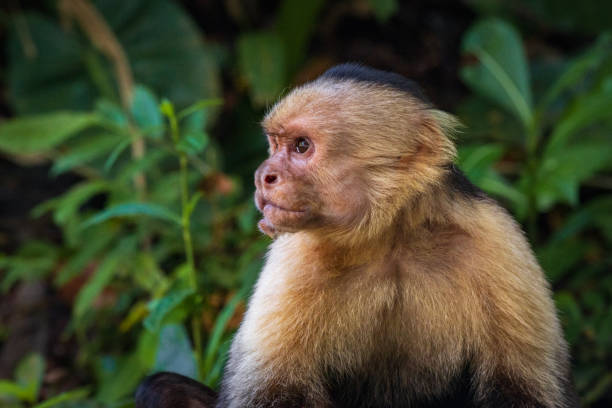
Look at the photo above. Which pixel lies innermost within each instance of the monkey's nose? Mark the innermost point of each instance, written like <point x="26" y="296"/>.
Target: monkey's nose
<point x="270" y="179"/>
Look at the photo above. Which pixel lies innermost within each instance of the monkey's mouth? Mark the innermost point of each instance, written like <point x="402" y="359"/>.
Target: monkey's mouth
<point x="269" y="206"/>
<point x="278" y="218"/>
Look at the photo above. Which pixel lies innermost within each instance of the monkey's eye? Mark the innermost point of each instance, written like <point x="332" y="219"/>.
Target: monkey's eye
<point x="302" y="145"/>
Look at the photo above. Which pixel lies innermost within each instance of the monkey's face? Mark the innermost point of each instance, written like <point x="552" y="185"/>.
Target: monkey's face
<point x="300" y="186"/>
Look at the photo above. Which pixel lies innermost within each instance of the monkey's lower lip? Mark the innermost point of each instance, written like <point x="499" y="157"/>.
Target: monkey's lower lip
<point x="268" y="205"/>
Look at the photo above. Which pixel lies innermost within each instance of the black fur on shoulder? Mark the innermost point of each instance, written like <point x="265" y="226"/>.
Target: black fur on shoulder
<point x="459" y="183"/>
<point x="170" y="390"/>
<point x="358" y="72"/>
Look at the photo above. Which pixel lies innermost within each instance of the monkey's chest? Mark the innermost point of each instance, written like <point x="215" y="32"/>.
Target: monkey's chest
<point x="356" y="344"/>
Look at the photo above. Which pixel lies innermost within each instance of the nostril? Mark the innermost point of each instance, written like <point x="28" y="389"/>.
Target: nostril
<point x="270" y="179"/>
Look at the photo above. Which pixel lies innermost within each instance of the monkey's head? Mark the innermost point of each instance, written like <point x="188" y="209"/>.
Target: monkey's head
<point x="348" y="151"/>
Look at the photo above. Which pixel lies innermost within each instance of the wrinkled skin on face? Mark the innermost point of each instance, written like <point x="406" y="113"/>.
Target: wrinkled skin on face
<point x="304" y="184"/>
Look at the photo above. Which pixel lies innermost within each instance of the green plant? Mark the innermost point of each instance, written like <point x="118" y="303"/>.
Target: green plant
<point x="140" y="250"/>
<point x="544" y="153"/>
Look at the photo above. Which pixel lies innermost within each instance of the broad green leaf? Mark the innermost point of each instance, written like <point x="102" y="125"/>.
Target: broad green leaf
<point x="39" y="133"/>
<point x="261" y="58"/>
<point x="383" y="9"/>
<point x="12" y="390"/>
<point x="112" y="113"/>
<point x="57" y="71"/>
<point x="295" y="24"/>
<point x="64" y="397"/>
<point x="562" y="171"/>
<point x="161" y="307"/>
<point x="146" y="113"/>
<point x="84" y="150"/>
<point x="174" y="352"/>
<point x="29" y="374"/>
<point x="579" y="67"/>
<point x="102" y="276"/>
<point x="497" y="186"/>
<point x="475" y="161"/>
<point x="132" y="210"/>
<point x="193" y="143"/>
<point x="592" y="109"/>
<point x="501" y="73"/>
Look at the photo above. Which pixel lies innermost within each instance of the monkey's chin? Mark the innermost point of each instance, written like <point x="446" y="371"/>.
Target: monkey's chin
<point x="277" y="220"/>
<point x="267" y="228"/>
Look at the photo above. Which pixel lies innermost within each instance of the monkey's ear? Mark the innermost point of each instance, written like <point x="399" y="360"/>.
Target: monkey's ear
<point x="170" y="390"/>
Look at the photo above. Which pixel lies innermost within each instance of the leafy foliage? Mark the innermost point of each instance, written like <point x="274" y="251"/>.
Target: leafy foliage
<point x="564" y="141"/>
<point x="159" y="247"/>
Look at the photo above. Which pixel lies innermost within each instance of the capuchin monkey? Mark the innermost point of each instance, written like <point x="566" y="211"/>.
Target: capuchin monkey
<point x="391" y="280"/>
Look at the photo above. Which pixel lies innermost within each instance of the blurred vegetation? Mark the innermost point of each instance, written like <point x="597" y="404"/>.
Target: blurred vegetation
<point x="159" y="249"/>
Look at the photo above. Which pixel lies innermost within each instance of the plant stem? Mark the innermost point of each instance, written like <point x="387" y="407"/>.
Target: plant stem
<point x="186" y="227"/>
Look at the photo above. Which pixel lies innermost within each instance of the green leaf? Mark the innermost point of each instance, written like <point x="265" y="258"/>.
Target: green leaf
<point x="214" y="342"/>
<point x="29" y="374"/>
<point x="102" y="276"/>
<point x="213" y="376"/>
<point x="86" y="252"/>
<point x="593" y="213"/>
<point x="39" y="133"/>
<point x="131" y="210"/>
<point x="193" y="143"/>
<point x="174" y="352"/>
<point x="198" y="107"/>
<point x="161" y="307"/>
<point x="68" y="396"/>
<point x="558" y="258"/>
<point x="84" y="150"/>
<point x="579" y="67"/>
<point x="146" y="113"/>
<point x="383" y="9"/>
<point x="115" y="153"/>
<point x="60" y="74"/>
<point x="475" y="161"/>
<point x="497" y="186"/>
<point x="13" y="390"/>
<point x="152" y="159"/>
<point x="591" y="109"/>
<point x="295" y="24"/>
<point x="261" y="59"/>
<point x="501" y="73"/>
<point x="192" y="203"/>
<point x="562" y="171"/>
<point x="148" y="275"/>
<point x="123" y="381"/>
<point x="67" y="205"/>
<point x="33" y="260"/>
<point x="570" y="314"/>
<point x="112" y="113"/>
